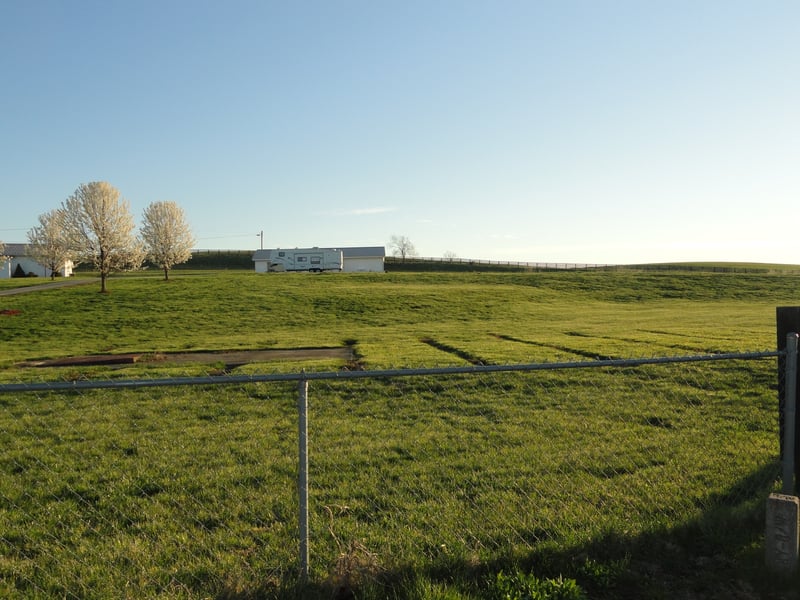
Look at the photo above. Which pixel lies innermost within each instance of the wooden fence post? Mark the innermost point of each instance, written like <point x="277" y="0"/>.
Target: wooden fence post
<point x="788" y="321"/>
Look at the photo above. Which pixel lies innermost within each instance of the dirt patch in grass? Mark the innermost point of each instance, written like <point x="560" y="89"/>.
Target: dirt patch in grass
<point x="231" y="358"/>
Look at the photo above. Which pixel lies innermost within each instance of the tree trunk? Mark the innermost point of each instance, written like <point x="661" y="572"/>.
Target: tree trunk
<point x="103" y="269"/>
<point x="166" y="274"/>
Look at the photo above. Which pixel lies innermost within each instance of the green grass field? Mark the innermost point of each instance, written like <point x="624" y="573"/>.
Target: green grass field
<point x="646" y="482"/>
<point x="499" y="317"/>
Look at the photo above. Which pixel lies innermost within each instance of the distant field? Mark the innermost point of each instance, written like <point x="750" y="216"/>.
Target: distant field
<point x="242" y="260"/>
<point x="637" y="482"/>
<point x="406" y="319"/>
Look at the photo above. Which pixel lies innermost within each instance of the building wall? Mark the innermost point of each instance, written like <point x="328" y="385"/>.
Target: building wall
<point x="351" y="265"/>
<point x="29" y="266"/>
<point x="363" y="264"/>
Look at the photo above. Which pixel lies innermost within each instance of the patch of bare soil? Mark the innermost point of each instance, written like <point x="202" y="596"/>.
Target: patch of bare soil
<point x="233" y="358"/>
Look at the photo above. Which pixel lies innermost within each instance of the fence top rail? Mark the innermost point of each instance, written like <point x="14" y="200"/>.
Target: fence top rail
<point x="375" y="374"/>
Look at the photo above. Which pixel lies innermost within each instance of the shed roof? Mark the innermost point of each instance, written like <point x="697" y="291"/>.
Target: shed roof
<point x="364" y="252"/>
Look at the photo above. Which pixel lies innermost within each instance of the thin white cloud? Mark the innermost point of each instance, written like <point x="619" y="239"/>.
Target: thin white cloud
<point x="358" y="212"/>
<point x="377" y="210"/>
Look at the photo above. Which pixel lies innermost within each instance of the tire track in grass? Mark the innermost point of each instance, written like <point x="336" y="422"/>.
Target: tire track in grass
<point x="638" y="341"/>
<point x="576" y="351"/>
<point x="598" y="356"/>
<point x="463" y="354"/>
<point x="706" y="349"/>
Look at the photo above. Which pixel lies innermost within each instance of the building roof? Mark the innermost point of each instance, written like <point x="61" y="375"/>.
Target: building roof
<point x="15" y="250"/>
<point x="364" y="252"/>
<point x="354" y="252"/>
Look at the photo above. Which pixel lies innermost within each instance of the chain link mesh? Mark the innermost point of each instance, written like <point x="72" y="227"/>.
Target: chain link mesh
<point x="471" y="467"/>
<point x="191" y="490"/>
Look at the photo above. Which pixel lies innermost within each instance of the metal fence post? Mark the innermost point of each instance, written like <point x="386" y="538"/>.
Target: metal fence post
<point x="302" y="481"/>
<point x="789" y="414"/>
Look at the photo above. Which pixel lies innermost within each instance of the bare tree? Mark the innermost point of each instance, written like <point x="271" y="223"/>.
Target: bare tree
<point x="449" y="255"/>
<point x="401" y="246"/>
<point x="166" y="235"/>
<point x="48" y="242"/>
<point x="100" y="229"/>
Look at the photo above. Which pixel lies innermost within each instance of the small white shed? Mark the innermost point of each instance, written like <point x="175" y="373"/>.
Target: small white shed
<point x="261" y="260"/>
<point x="364" y="259"/>
<point x="19" y="259"/>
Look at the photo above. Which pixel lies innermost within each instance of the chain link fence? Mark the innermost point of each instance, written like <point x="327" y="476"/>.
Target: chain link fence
<point x="197" y="487"/>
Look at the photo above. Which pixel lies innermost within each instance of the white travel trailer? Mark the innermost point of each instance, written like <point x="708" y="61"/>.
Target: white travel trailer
<point x="354" y="259"/>
<point x="305" y="259"/>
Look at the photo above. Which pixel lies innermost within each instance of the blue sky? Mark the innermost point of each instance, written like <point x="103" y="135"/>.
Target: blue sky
<point x="567" y="130"/>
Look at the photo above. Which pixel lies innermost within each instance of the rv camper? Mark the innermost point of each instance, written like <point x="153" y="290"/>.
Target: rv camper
<point x="305" y="259"/>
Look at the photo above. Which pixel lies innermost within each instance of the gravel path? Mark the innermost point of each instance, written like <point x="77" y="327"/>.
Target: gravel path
<point x="40" y="287"/>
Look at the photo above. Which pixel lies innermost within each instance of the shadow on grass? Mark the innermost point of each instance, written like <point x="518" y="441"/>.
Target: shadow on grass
<point x="720" y="555"/>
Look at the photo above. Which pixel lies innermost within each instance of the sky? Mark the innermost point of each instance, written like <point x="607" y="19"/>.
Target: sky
<point x="578" y="131"/>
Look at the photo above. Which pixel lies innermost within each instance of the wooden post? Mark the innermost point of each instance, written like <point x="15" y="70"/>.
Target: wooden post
<point x="788" y="321"/>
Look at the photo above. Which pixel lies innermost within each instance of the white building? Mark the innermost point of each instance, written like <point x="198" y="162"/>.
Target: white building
<point x="366" y="259"/>
<point x="20" y="261"/>
<point x="354" y="260"/>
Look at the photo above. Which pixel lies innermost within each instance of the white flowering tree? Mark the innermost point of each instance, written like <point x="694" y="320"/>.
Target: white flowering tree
<point x="100" y="229"/>
<point x="48" y="242"/>
<point x="166" y="235"/>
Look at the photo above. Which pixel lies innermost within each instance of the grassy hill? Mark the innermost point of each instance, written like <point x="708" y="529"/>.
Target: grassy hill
<point x="624" y="313"/>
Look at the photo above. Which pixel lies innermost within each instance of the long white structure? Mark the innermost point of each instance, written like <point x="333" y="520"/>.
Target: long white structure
<point x="350" y="260"/>
<point x="298" y="259"/>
